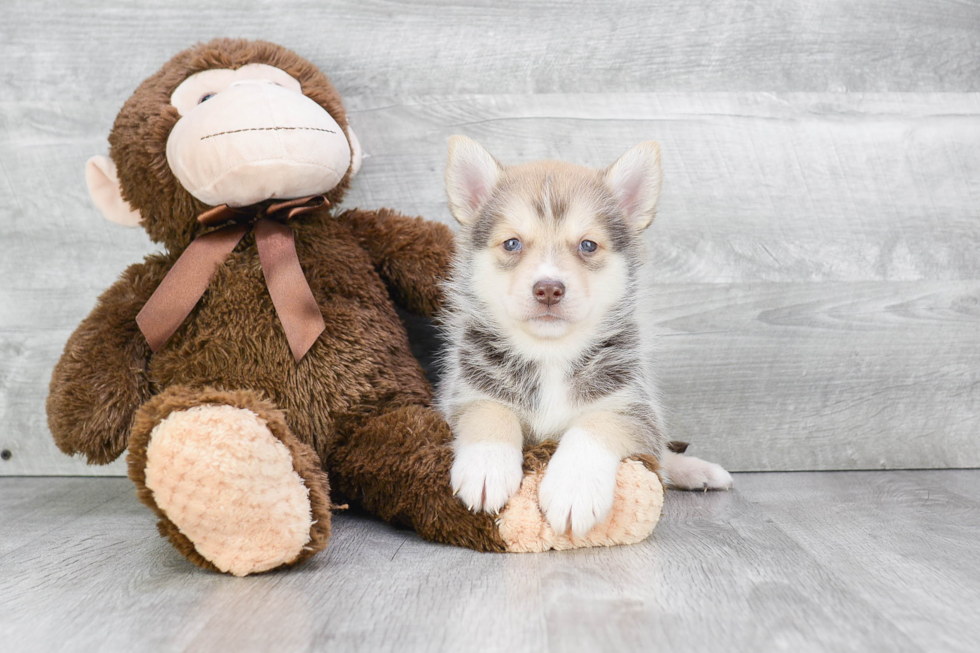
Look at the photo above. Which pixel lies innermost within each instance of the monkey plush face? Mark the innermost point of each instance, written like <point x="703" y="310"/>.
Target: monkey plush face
<point x="227" y="122"/>
<point x="250" y="134"/>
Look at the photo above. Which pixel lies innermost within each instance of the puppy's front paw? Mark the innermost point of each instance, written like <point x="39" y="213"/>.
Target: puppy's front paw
<point x="486" y="474"/>
<point x="579" y="484"/>
<point x="690" y="473"/>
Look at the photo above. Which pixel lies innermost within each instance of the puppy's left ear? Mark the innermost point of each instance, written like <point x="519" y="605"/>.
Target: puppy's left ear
<point x="635" y="181"/>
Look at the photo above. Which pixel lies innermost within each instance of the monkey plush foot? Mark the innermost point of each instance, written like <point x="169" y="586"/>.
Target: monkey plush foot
<point x="636" y="510"/>
<point x="231" y="488"/>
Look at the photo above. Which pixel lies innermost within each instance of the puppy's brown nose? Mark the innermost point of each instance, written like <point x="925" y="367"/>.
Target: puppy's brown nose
<point x="549" y="291"/>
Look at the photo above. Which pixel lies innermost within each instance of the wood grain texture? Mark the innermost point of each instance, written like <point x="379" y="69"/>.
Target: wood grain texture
<point x="757" y="187"/>
<point x="815" y="252"/>
<point x="854" y="375"/>
<point x="903" y="542"/>
<point x="814" y="258"/>
<point x="514" y="46"/>
<point x="875" y="561"/>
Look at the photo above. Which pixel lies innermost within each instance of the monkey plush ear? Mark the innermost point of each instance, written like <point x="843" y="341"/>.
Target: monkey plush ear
<point x="356" y="153"/>
<point x="103" y="187"/>
<point x="635" y="181"/>
<point x="471" y="175"/>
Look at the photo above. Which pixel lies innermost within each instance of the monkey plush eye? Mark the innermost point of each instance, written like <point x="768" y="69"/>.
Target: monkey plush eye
<point x="205" y="98"/>
<point x="588" y="246"/>
<point x="512" y="244"/>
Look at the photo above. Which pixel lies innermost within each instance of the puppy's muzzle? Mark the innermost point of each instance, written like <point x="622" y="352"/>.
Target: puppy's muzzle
<point x="548" y="291"/>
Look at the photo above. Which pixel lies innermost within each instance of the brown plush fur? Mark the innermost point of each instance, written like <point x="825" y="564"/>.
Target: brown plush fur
<point x="395" y="464"/>
<point x="101" y="381"/>
<point x="357" y="405"/>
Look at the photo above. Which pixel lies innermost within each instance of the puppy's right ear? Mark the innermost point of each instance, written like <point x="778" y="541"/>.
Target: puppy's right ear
<point x="103" y="187"/>
<point x="471" y="174"/>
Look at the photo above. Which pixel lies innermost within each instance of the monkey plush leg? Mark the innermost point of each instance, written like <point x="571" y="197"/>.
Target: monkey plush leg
<point x="397" y="465"/>
<point x="234" y="489"/>
<point x="638" y="500"/>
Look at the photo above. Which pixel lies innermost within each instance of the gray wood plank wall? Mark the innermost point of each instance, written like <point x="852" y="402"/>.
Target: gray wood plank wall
<point x="817" y="254"/>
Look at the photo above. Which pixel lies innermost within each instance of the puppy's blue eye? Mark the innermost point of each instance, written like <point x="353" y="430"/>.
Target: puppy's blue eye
<point x="512" y="245"/>
<point x="588" y="246"/>
<point x="205" y="98"/>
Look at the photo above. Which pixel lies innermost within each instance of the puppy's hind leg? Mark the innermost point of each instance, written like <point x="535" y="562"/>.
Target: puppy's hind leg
<point x="690" y="473"/>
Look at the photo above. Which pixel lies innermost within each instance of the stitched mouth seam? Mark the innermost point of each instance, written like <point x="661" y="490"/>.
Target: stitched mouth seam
<point x="266" y="129"/>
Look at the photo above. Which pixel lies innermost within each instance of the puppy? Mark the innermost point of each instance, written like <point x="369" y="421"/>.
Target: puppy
<point x="546" y="336"/>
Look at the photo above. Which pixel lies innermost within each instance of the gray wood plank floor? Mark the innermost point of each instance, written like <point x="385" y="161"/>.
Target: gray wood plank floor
<point x="821" y="561"/>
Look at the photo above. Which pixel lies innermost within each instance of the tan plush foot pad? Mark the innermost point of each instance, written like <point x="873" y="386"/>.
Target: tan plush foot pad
<point x="636" y="510"/>
<point x="229" y="486"/>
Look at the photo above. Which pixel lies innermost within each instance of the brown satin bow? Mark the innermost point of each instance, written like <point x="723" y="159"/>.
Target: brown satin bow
<point x="185" y="283"/>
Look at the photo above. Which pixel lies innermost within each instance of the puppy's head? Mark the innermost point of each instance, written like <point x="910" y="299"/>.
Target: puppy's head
<point x="551" y="247"/>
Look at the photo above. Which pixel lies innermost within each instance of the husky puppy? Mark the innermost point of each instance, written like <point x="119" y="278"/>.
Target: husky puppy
<point x="545" y="330"/>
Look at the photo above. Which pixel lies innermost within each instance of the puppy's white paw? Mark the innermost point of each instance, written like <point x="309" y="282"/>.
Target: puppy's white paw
<point x="579" y="484"/>
<point x="486" y="474"/>
<point x="690" y="473"/>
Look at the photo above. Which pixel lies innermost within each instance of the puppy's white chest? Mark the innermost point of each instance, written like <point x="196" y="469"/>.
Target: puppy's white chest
<point x="555" y="410"/>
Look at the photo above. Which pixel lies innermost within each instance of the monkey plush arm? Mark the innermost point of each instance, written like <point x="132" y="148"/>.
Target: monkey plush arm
<point x="100" y="381"/>
<point x="412" y="255"/>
